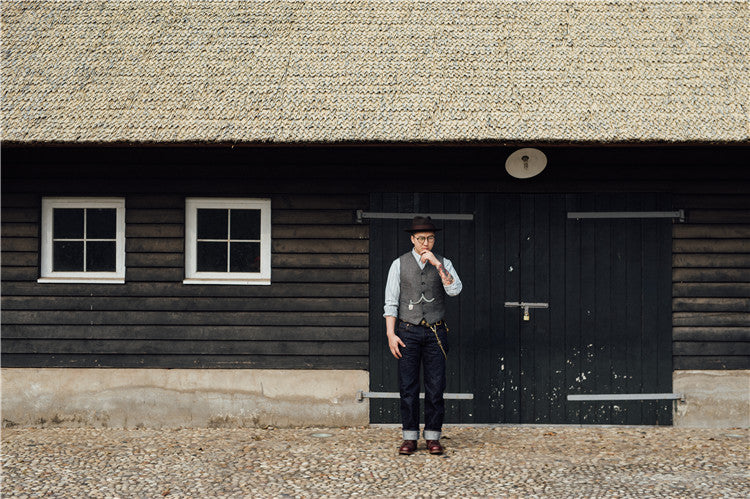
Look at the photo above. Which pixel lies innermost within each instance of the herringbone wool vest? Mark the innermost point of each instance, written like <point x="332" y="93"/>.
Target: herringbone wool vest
<point x="422" y="294"/>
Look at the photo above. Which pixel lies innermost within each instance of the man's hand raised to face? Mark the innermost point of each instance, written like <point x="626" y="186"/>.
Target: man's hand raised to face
<point x="428" y="256"/>
<point x="445" y="276"/>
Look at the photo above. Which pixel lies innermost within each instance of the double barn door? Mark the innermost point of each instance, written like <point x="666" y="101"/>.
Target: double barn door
<point x="601" y="323"/>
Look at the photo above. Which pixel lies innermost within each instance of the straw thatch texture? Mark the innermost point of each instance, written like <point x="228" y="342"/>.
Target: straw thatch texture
<point x="284" y="71"/>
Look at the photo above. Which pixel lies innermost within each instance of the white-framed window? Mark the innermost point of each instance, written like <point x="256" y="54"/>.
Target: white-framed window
<point x="227" y="241"/>
<point x="83" y="240"/>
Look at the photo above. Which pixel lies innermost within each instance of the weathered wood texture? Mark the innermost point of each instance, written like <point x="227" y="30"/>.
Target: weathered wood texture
<point x="313" y="315"/>
<point x="711" y="282"/>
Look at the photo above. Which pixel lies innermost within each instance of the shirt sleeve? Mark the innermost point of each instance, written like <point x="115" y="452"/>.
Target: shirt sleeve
<point x="456" y="287"/>
<point x="393" y="289"/>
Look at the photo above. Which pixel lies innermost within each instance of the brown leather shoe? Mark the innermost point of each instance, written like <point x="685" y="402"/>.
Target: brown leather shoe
<point x="408" y="447"/>
<point x="434" y="447"/>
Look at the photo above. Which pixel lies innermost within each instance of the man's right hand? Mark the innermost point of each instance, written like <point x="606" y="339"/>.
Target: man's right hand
<point x="393" y="343"/>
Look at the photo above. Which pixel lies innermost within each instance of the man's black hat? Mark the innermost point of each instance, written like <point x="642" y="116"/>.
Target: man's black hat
<point x="422" y="224"/>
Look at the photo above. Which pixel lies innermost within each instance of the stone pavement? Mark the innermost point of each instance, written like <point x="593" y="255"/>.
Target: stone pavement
<point x="505" y="461"/>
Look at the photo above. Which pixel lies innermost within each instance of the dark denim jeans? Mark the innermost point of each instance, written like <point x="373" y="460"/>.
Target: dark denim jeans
<point x="422" y="350"/>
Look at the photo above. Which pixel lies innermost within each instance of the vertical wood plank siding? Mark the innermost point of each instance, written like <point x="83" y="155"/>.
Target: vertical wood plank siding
<point x="313" y="315"/>
<point x="607" y="328"/>
<point x="711" y="283"/>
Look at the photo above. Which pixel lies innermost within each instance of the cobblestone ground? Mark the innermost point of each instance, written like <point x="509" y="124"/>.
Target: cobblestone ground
<point x="549" y="461"/>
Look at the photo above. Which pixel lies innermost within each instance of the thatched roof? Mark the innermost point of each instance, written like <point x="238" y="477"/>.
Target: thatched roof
<point x="329" y="71"/>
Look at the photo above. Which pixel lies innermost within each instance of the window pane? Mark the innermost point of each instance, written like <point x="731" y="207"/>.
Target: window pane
<point x="67" y="224"/>
<point x="67" y="255"/>
<point x="245" y="224"/>
<point x="244" y="257"/>
<point x="212" y="257"/>
<point x="101" y="223"/>
<point x="212" y="224"/>
<point x="101" y="256"/>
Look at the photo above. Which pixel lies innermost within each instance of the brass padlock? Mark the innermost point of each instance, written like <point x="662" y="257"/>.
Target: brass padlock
<point x="526" y="315"/>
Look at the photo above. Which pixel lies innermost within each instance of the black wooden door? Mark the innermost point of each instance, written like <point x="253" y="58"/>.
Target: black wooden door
<point x="607" y="328"/>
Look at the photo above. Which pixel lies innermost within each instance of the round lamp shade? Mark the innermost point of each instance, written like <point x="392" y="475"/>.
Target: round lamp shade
<point x="526" y="163"/>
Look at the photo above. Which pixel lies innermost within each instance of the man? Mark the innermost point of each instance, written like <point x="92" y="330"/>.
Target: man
<point x="418" y="282"/>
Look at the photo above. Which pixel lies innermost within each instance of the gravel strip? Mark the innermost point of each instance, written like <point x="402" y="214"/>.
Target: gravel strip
<point x="506" y="461"/>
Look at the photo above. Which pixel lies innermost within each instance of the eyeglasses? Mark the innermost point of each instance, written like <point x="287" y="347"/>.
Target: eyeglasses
<point x="422" y="239"/>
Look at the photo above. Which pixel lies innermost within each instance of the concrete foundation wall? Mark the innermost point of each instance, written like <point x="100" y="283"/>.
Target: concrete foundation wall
<point x="713" y="399"/>
<point x="170" y="398"/>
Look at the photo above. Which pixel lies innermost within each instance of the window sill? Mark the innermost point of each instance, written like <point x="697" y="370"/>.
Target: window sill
<point x="236" y="282"/>
<point x="81" y="280"/>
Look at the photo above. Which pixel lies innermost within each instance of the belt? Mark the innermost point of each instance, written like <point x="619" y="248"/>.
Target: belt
<point x="424" y="323"/>
<point x="427" y="324"/>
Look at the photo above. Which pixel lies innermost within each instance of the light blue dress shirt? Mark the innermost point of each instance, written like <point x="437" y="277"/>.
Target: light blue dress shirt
<point x="393" y="284"/>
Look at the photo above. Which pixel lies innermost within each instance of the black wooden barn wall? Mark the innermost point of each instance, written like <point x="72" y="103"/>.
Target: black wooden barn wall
<point x="313" y="315"/>
<point x="711" y="282"/>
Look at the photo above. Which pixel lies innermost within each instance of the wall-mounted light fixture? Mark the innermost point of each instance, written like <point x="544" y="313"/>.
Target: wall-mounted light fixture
<point x="526" y="163"/>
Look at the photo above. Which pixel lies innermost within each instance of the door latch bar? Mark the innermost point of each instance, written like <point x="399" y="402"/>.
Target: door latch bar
<point x="361" y="215"/>
<point x="626" y="396"/>
<point x="525" y="305"/>
<point x="361" y="395"/>
<point x="678" y="214"/>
